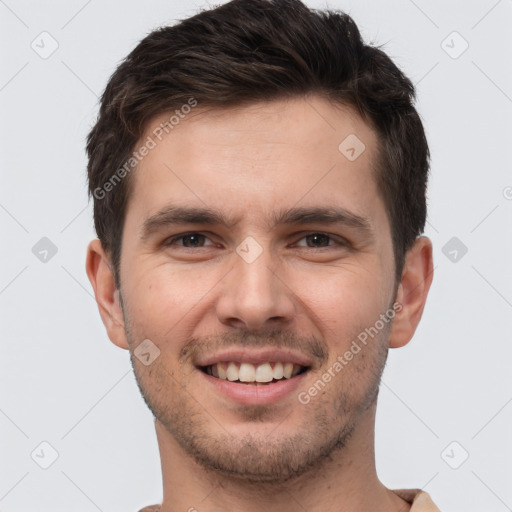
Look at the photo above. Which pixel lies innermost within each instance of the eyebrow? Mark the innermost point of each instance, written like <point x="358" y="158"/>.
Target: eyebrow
<point x="177" y="215"/>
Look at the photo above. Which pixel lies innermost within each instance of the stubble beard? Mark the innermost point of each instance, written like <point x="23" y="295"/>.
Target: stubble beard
<point x="258" y="458"/>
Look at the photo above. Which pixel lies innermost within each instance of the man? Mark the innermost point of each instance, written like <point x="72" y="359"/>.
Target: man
<point x="259" y="178"/>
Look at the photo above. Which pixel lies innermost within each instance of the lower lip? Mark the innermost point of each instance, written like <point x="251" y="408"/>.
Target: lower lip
<point x="250" y="394"/>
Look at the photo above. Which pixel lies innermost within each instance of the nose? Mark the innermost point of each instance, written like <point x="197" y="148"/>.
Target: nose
<point x="253" y="296"/>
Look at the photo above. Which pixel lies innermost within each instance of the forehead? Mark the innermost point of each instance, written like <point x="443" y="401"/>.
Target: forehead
<point x="265" y="155"/>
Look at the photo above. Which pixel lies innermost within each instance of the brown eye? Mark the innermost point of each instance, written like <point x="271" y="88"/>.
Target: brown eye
<point x="318" y="240"/>
<point x="189" y="240"/>
<point x="193" y="240"/>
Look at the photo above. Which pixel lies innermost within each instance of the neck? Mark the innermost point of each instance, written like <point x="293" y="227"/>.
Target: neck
<point x="346" y="481"/>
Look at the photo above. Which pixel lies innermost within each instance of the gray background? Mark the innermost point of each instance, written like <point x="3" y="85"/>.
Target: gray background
<point x="444" y="396"/>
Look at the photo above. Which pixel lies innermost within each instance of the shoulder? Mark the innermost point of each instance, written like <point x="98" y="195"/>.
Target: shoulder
<point x="150" y="508"/>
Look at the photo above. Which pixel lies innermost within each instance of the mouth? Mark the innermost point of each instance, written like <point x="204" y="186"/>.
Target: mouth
<point x="254" y="376"/>
<point x="262" y="374"/>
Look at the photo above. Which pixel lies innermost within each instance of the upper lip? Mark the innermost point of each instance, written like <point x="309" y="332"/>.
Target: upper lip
<point x="269" y="355"/>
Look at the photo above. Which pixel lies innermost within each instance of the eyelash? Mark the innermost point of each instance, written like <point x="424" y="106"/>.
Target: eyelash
<point x="336" y="240"/>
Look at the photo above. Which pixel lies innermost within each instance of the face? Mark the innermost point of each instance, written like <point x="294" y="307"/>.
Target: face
<point x="254" y="246"/>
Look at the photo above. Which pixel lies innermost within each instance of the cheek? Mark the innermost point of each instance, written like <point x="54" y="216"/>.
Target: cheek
<point x="160" y="300"/>
<point x="342" y="299"/>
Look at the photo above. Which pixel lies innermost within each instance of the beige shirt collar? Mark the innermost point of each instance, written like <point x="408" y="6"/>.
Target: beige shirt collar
<point x="420" y="500"/>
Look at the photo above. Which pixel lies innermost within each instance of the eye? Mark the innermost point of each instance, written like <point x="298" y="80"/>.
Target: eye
<point x="189" y="240"/>
<point x="319" y="240"/>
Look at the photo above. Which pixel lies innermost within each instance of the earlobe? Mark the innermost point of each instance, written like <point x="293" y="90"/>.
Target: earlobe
<point x="412" y="292"/>
<point x="99" y="271"/>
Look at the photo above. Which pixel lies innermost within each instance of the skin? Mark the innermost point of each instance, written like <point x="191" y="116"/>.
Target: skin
<point x="315" y="295"/>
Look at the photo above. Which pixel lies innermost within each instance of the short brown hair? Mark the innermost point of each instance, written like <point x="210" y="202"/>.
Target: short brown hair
<point x="251" y="50"/>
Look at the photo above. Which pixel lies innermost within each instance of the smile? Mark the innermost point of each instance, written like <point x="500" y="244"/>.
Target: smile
<point x="255" y="374"/>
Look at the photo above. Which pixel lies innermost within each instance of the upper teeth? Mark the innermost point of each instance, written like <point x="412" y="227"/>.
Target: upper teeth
<point x="247" y="372"/>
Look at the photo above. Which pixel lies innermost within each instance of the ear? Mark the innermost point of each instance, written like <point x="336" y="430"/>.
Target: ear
<point x="99" y="271"/>
<point x="412" y="292"/>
